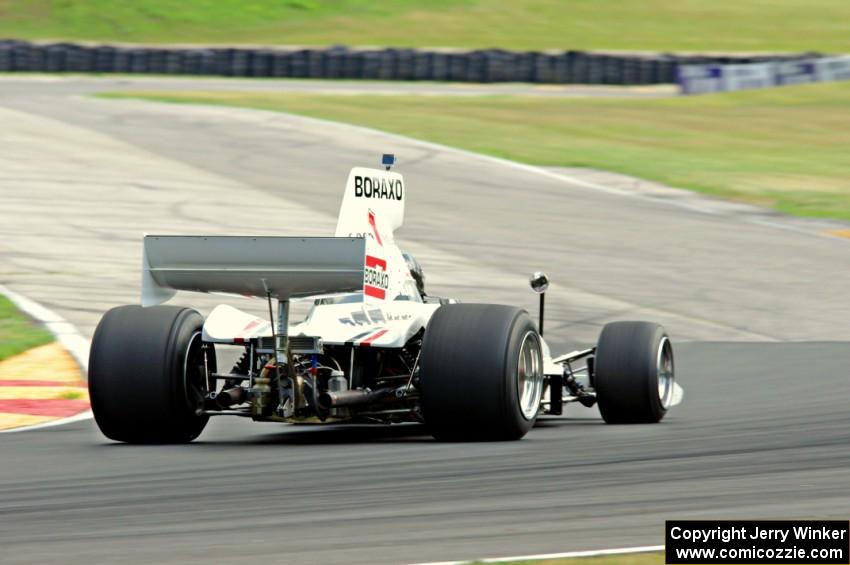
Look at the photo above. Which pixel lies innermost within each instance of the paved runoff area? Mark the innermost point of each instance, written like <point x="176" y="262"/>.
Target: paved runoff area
<point x="755" y="303"/>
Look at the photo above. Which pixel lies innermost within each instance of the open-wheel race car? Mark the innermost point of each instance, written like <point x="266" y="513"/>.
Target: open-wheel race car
<point x="374" y="347"/>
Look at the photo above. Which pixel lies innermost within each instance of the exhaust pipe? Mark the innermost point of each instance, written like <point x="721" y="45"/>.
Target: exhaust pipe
<point x="227" y="398"/>
<point x="335" y="399"/>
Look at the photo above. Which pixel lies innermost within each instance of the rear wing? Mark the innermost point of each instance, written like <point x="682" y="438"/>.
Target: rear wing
<point x="282" y="267"/>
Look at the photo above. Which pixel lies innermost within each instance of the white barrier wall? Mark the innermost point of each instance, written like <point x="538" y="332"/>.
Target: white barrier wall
<point x="699" y="79"/>
<point x="741" y="77"/>
<point x="702" y="79"/>
<point x="833" y="68"/>
<point x="794" y="72"/>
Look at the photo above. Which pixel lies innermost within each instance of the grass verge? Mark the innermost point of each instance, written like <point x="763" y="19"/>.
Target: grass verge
<point x="18" y="332"/>
<point x="784" y="148"/>
<point x="722" y="25"/>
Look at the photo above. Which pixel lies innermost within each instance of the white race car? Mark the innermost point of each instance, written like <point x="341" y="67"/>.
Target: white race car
<point x="374" y="347"/>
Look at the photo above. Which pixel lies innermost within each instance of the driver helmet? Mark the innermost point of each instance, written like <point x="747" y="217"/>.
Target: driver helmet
<point x="415" y="272"/>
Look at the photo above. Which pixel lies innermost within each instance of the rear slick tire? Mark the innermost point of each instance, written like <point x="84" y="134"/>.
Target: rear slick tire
<point x="481" y="373"/>
<point x="146" y="374"/>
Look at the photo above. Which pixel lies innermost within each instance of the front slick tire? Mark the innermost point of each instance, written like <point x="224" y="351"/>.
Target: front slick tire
<point x="146" y="374"/>
<point x="634" y="373"/>
<point x="481" y="373"/>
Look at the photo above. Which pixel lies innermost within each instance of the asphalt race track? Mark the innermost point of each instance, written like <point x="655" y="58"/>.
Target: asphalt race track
<point x="756" y="303"/>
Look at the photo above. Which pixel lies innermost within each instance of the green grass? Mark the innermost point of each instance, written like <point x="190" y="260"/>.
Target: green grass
<point x="628" y="559"/>
<point x="17" y="332"/>
<point x="785" y="148"/>
<point x="731" y="25"/>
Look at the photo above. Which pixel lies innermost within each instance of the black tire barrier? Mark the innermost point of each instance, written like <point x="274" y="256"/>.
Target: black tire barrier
<point x="440" y="67"/>
<point x="339" y="62"/>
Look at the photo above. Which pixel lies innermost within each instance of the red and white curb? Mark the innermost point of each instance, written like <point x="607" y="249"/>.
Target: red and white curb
<point x="67" y="335"/>
<point x="566" y="555"/>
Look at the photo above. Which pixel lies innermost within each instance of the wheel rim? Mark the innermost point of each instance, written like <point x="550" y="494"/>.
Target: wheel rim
<point x="665" y="370"/>
<point x="529" y="375"/>
<point x="193" y="379"/>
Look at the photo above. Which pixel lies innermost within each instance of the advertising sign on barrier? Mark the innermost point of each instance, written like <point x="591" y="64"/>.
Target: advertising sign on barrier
<point x="700" y="79"/>
<point x="833" y="68"/>
<point x="742" y="77"/>
<point x="794" y="72"/>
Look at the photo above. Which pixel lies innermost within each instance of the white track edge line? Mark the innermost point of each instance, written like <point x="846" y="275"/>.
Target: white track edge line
<point x="66" y="334"/>
<point x="82" y="416"/>
<point x="565" y="555"/>
<point x="533" y="169"/>
<point x="562" y="177"/>
<point x="566" y="178"/>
